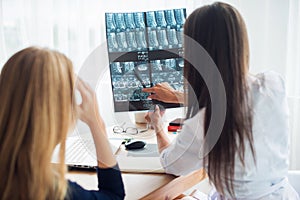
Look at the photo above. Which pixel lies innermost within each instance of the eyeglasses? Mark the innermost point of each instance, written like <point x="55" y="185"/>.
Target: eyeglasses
<point x="128" y="130"/>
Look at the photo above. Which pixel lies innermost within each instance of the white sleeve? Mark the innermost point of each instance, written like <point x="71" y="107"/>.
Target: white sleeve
<point x="183" y="155"/>
<point x="272" y="80"/>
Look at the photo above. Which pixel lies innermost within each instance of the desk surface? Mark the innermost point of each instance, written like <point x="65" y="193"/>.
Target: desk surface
<point x="147" y="186"/>
<point x="136" y="185"/>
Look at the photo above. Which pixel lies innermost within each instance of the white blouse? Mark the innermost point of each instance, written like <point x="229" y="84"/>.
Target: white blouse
<point x="265" y="180"/>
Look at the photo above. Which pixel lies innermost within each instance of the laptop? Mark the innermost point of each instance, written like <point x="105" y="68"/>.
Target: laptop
<point x="81" y="154"/>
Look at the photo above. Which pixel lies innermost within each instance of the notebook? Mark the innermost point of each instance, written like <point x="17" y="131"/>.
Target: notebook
<point x="80" y="153"/>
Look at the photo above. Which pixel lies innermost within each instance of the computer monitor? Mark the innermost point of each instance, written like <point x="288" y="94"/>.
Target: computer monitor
<point x="144" y="48"/>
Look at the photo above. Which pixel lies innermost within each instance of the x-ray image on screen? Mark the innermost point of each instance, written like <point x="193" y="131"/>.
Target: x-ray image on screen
<point x="164" y="28"/>
<point x="126" y="32"/>
<point x="168" y="70"/>
<point x="144" y="49"/>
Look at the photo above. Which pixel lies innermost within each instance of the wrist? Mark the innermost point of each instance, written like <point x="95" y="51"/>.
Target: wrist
<point x="159" y="131"/>
<point x="96" y="125"/>
<point x="158" y="126"/>
<point x="179" y="97"/>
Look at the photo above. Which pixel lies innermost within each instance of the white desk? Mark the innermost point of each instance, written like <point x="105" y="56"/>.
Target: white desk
<point x="143" y="186"/>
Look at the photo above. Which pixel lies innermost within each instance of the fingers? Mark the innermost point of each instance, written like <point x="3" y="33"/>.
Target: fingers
<point x="79" y="84"/>
<point x="149" y="90"/>
<point x="147" y="117"/>
<point x="166" y="85"/>
<point x="157" y="113"/>
<point x="154" y="118"/>
<point x="156" y="109"/>
<point x="162" y="112"/>
<point x="84" y="85"/>
<point x="154" y="88"/>
<point x="153" y="96"/>
<point x="85" y="90"/>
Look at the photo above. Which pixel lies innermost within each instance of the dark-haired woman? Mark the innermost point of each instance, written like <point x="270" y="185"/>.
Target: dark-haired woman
<point x="250" y="157"/>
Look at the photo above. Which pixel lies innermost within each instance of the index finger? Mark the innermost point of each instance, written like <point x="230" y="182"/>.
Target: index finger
<point x="82" y="88"/>
<point x="149" y="90"/>
<point x="79" y="84"/>
<point x="83" y="83"/>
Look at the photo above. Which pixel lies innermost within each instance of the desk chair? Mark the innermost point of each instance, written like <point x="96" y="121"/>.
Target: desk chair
<point x="175" y="188"/>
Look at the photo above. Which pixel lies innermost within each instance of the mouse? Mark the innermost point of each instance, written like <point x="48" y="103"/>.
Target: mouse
<point x="134" y="144"/>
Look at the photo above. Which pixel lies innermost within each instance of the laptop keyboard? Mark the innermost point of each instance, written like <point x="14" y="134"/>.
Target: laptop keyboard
<point x="78" y="149"/>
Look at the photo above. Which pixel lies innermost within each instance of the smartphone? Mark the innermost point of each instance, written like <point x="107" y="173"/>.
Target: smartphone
<point x="177" y="122"/>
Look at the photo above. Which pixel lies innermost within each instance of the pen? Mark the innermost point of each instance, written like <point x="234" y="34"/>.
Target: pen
<point x="150" y="75"/>
<point x="137" y="75"/>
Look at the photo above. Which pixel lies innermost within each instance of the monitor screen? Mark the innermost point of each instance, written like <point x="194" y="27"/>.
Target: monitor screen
<point x="144" y="49"/>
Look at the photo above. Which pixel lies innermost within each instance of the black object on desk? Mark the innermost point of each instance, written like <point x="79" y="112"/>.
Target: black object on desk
<point x="177" y="122"/>
<point x="134" y="144"/>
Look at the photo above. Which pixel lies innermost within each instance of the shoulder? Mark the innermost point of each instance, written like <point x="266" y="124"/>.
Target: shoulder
<point x="268" y="94"/>
<point x="197" y="119"/>
<point x="269" y="80"/>
<point x="194" y="126"/>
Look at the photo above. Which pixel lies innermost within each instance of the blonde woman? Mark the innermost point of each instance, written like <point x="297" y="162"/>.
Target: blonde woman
<point x="37" y="111"/>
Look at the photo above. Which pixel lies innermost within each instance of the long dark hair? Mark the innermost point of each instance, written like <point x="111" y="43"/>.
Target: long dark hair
<point x="221" y="31"/>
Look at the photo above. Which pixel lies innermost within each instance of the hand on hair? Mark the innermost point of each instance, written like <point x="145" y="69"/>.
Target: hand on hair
<point x="88" y="110"/>
<point x="165" y="93"/>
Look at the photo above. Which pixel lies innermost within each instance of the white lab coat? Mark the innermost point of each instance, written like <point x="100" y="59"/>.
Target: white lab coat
<point x="265" y="180"/>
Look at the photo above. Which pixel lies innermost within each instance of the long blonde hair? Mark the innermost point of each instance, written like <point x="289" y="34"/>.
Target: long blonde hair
<point x="36" y="94"/>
